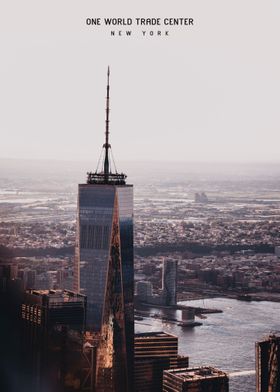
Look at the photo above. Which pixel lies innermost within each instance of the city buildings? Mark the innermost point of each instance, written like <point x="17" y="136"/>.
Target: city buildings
<point x="268" y="364"/>
<point x="52" y="323"/>
<point x="43" y="308"/>
<point x="11" y="288"/>
<point x="156" y="344"/>
<point x="144" y="290"/>
<point x="103" y="269"/>
<point x="169" y="282"/>
<point x="200" y="379"/>
<point x="154" y="353"/>
<point x="28" y="278"/>
<point x="8" y="271"/>
<point x="167" y="296"/>
<point x="103" y="263"/>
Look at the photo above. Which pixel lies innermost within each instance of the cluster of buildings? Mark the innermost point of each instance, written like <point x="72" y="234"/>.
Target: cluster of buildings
<point x="36" y="235"/>
<point x="239" y="273"/>
<point x="167" y="295"/>
<point x="228" y="274"/>
<point x="162" y="217"/>
<point x="211" y="232"/>
<point x="83" y="339"/>
<point x="62" y="353"/>
<point x="151" y="233"/>
<point x="44" y="273"/>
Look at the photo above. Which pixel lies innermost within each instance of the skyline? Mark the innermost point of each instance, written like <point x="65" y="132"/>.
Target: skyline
<point x="68" y="173"/>
<point x="193" y="118"/>
<point x="206" y="93"/>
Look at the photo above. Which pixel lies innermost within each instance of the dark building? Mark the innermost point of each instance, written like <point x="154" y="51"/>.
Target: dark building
<point x="268" y="364"/>
<point x="156" y="344"/>
<point x="8" y="271"/>
<point x="154" y="353"/>
<point x="11" y="292"/>
<point x="103" y="269"/>
<point x="52" y="339"/>
<point x="149" y="374"/>
<point x="201" y="379"/>
<point x="169" y="282"/>
<point x="28" y="278"/>
<point x="45" y="308"/>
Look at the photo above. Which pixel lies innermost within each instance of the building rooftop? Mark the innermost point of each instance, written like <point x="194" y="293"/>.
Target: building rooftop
<point x="57" y="296"/>
<point x="275" y="336"/>
<point x="198" y="373"/>
<point x="159" y="334"/>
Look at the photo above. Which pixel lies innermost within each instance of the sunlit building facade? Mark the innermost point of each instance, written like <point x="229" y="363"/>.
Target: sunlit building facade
<point x="104" y="269"/>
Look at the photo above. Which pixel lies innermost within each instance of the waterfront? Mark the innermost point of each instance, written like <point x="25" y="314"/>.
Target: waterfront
<point x="38" y="215"/>
<point x="225" y="340"/>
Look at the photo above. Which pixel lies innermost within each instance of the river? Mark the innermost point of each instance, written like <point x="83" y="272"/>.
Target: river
<point x="225" y="340"/>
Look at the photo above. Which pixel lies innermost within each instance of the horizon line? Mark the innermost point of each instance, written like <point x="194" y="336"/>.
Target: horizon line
<point x="274" y="162"/>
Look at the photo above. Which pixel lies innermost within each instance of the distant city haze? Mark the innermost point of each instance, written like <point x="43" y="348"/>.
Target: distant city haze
<point x="73" y="172"/>
<point x="208" y="92"/>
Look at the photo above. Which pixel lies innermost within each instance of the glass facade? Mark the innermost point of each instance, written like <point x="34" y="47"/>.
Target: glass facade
<point x="125" y="200"/>
<point x="169" y="282"/>
<point x="95" y="214"/>
<point x="104" y="273"/>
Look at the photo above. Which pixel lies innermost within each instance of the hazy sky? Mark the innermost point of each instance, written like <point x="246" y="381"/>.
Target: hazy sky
<point x="205" y="93"/>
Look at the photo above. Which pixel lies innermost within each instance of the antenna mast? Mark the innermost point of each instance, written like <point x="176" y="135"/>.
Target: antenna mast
<point x="107" y="145"/>
<point x="106" y="176"/>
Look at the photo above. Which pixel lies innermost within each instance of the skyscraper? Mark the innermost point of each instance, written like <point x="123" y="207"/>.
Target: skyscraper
<point x="169" y="282"/>
<point x="104" y="267"/>
<point x="268" y="364"/>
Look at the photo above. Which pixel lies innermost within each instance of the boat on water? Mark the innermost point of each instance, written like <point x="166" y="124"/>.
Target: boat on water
<point x="189" y="324"/>
<point x="201" y="316"/>
<point x="244" y="297"/>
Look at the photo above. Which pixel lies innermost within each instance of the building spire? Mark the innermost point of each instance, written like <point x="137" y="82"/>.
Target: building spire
<point x="105" y="176"/>
<point x="106" y="144"/>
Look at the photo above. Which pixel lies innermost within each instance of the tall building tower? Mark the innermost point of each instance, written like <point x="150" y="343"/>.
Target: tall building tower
<point x="103" y="268"/>
<point x="268" y="364"/>
<point x="169" y="282"/>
